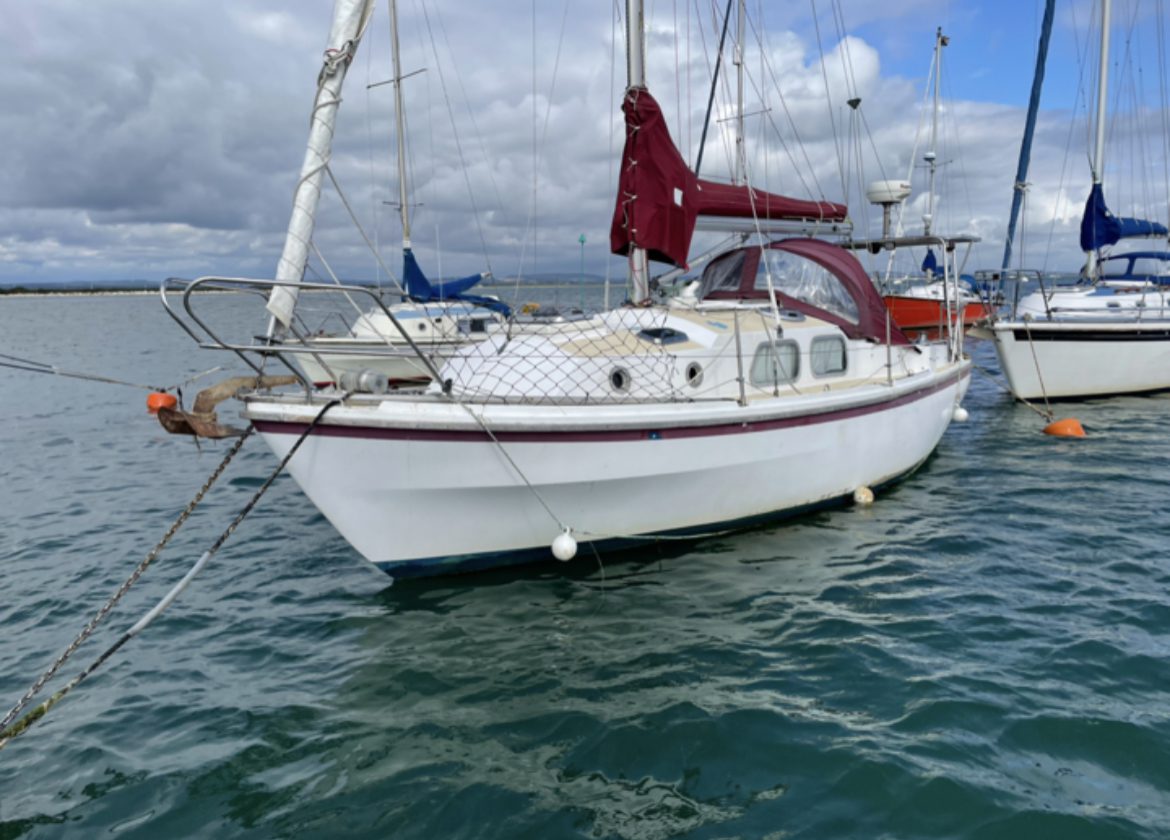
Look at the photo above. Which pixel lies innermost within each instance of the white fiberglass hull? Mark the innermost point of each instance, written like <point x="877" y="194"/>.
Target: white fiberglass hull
<point x="421" y="492"/>
<point x="1083" y="358"/>
<point x="399" y="365"/>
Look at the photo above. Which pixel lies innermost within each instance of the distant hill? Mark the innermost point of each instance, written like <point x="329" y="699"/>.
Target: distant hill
<point x="17" y="287"/>
<point x="137" y="285"/>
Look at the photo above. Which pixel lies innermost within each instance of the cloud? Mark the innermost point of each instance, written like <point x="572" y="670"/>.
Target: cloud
<point x="146" y="140"/>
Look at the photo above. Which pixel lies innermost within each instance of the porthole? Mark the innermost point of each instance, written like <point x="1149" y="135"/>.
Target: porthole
<point x="791" y="315"/>
<point x="694" y="374"/>
<point x="619" y="379"/>
<point x="422" y="327"/>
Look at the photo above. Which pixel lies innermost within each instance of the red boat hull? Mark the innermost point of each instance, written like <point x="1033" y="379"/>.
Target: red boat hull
<point x="915" y="313"/>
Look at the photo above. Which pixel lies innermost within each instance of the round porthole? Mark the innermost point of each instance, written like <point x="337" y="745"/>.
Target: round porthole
<point x="694" y="374"/>
<point x="791" y="315"/>
<point x="422" y="327"/>
<point x="619" y="379"/>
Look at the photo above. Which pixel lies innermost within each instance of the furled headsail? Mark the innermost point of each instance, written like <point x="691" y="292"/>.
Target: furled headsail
<point x="350" y="18"/>
<point x="1099" y="227"/>
<point x="660" y="198"/>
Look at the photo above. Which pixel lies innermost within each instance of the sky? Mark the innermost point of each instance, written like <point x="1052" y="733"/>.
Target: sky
<point x="147" y="140"/>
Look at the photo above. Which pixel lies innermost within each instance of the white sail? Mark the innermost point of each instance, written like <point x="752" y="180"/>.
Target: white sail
<point x="349" y="22"/>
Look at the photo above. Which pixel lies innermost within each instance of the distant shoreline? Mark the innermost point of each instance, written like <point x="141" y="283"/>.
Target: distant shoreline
<point x="19" y="292"/>
<point x="28" y="293"/>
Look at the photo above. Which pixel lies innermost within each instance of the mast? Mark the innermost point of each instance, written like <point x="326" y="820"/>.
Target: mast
<point x="931" y="156"/>
<point x="1099" y="148"/>
<point x="636" y="72"/>
<point x="349" y="22"/>
<point x="399" y="122"/>
<point x="740" y="176"/>
<point x="1029" y="129"/>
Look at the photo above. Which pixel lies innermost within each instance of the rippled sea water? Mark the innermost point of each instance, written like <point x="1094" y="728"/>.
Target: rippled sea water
<point x="984" y="653"/>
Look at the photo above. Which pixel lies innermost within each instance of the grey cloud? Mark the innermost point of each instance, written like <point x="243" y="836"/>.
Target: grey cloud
<point x="148" y="139"/>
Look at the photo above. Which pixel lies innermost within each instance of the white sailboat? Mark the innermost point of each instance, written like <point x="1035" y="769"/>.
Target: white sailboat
<point x="1109" y="334"/>
<point x="774" y="385"/>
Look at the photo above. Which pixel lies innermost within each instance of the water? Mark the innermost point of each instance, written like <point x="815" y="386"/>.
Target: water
<point x="982" y="654"/>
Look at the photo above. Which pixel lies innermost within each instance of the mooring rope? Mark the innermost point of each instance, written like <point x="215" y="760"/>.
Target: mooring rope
<point x="101" y="614"/>
<point x="995" y="381"/>
<point x="8" y="732"/>
<point x="1039" y="377"/>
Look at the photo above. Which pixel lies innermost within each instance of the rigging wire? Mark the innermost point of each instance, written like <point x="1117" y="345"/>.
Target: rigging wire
<point x="32" y="366"/>
<point x="538" y="142"/>
<point x="375" y="204"/>
<point x="1160" y="37"/>
<point x="829" y="103"/>
<point x="1062" y="200"/>
<point x="678" y="110"/>
<point x="714" y="81"/>
<point x="775" y="85"/>
<point x="353" y="217"/>
<point x="455" y="136"/>
<point x="615" y="29"/>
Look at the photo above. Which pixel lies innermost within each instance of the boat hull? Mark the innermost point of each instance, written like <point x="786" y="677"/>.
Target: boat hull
<point x="399" y="365"/>
<point x="1083" y="358"/>
<point x="911" y="313"/>
<point x="426" y="498"/>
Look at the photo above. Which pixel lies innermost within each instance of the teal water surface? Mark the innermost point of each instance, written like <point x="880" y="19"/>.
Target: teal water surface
<point x="981" y="654"/>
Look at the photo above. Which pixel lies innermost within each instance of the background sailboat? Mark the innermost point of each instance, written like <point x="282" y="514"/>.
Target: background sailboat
<point x="436" y="317"/>
<point x="1109" y="334"/>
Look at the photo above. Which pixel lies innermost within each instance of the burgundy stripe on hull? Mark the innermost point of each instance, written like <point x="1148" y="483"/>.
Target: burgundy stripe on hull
<point x="575" y="435"/>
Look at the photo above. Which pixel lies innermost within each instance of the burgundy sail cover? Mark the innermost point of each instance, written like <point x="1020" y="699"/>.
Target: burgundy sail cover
<point x="659" y="197"/>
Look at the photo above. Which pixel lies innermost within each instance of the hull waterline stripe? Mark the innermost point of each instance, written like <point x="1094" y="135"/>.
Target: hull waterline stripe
<point x="577" y="435"/>
<point x="1040" y="334"/>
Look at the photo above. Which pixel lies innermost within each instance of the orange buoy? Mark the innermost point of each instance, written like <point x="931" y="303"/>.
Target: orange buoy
<point x="1069" y="427"/>
<point x="160" y="399"/>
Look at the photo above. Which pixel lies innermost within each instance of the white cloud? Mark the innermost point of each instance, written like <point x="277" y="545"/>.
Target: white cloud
<point x="144" y="140"/>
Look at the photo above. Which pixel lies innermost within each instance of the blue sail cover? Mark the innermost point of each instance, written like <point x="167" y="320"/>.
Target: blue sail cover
<point x="1099" y="227"/>
<point x="423" y="291"/>
<point x="930" y="264"/>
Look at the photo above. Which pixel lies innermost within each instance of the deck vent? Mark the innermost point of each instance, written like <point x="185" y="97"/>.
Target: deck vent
<point x="663" y="335"/>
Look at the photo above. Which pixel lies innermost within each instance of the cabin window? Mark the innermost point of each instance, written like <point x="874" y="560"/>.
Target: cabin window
<point x="723" y="274"/>
<point x="806" y="281"/>
<point x="1150" y="267"/>
<point x="775" y="363"/>
<point x="827" y="356"/>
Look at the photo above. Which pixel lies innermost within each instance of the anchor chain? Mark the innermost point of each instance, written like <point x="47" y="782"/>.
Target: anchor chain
<point x="8" y="732"/>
